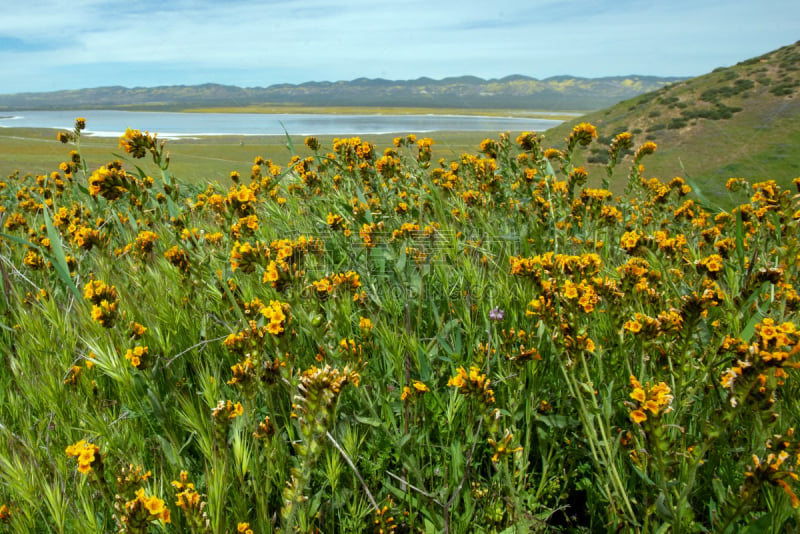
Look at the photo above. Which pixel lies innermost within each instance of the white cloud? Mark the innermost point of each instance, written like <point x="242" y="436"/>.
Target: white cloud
<point x="250" y="42"/>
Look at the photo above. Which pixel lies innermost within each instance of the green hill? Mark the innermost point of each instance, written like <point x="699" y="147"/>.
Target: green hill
<point x="740" y="121"/>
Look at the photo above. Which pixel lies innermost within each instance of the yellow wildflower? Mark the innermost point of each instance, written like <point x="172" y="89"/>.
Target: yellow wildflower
<point x="87" y="454"/>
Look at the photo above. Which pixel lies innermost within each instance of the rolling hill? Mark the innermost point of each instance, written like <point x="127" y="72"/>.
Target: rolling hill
<point x="512" y="92"/>
<point x="740" y="121"/>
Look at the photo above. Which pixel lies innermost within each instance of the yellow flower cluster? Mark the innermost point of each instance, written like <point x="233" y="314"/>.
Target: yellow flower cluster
<point x="528" y="141"/>
<point x="136" y="143"/>
<point x="226" y="410"/>
<point x="334" y="220"/>
<point x="582" y="134"/>
<point x="188" y="498"/>
<point x="646" y="149"/>
<point x="515" y="345"/>
<point x="669" y="321"/>
<point x="367" y="233"/>
<point x="245" y="226"/>
<point x="584" y="264"/>
<point x="178" y="257"/>
<point x="111" y="181"/>
<point x="242" y="371"/>
<point x="712" y="266"/>
<point x="246" y="257"/>
<point x="775" y="337"/>
<point x="472" y="383"/>
<point x="779" y="468"/>
<point x="142" y="245"/>
<point x="502" y="447"/>
<point x="761" y="364"/>
<point x="630" y="240"/>
<point x="143" y="509"/>
<point x="242" y="200"/>
<point x="87" y="454"/>
<point x="276" y="313"/>
<point x="86" y="238"/>
<point x="104" y="300"/>
<point x="384" y="522"/>
<point x="328" y="379"/>
<point x="406" y="230"/>
<point x="289" y="255"/>
<point x="656" y="399"/>
<point x="417" y="388"/>
<point x="138" y="356"/>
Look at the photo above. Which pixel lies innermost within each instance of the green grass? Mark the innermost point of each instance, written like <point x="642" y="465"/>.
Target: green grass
<point x="204" y="159"/>
<point x="381" y="341"/>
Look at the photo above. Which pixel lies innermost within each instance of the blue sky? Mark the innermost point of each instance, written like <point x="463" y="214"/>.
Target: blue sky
<point x="48" y="45"/>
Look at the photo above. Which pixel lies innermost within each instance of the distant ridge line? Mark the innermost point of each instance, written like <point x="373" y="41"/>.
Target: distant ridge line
<point x="515" y="91"/>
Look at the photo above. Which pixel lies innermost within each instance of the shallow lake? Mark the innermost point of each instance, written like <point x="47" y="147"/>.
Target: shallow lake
<point x="114" y="123"/>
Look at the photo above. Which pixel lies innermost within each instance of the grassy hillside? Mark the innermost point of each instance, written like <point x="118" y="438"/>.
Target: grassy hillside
<point x="741" y="121"/>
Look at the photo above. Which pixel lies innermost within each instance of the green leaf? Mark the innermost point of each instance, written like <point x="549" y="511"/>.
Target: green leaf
<point x="424" y="365"/>
<point x="704" y="201"/>
<point x="172" y="208"/>
<point x="549" y="167"/>
<point x="235" y="304"/>
<point x="456" y="468"/>
<point x="362" y="199"/>
<point x="662" y="509"/>
<point x="289" y="143"/>
<point x="643" y="475"/>
<point x="762" y="524"/>
<point x="720" y="491"/>
<point x="169" y="451"/>
<point x="131" y="218"/>
<point x="18" y="240"/>
<point x="371" y="421"/>
<point x="750" y="327"/>
<point x="60" y="263"/>
<point x="740" y="240"/>
<point x="444" y="344"/>
<point x="401" y="261"/>
<point x="557" y="421"/>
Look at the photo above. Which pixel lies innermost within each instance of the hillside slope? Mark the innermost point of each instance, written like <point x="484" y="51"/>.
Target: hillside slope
<point x="740" y="121"/>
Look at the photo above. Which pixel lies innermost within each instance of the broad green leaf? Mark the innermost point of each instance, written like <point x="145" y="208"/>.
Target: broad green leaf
<point x="60" y="263"/>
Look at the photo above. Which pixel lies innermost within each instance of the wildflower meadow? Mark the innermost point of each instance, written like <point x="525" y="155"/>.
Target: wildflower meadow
<point x="382" y="341"/>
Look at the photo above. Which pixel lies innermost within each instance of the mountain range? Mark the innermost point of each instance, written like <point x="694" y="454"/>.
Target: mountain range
<point x="560" y="93"/>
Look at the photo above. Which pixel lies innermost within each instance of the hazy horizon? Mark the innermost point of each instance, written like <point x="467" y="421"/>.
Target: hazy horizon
<point x="344" y="81"/>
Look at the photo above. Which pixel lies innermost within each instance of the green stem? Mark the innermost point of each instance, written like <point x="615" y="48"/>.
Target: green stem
<point x="615" y="477"/>
<point x="618" y="486"/>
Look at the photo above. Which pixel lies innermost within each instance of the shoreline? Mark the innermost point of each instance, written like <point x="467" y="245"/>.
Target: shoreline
<point x="11" y="114"/>
<point x="217" y="124"/>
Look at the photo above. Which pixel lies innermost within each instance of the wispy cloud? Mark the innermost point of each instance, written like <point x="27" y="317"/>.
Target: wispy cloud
<point x="45" y="46"/>
<point x="22" y="46"/>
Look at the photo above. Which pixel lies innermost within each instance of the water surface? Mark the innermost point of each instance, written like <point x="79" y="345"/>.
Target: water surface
<point x="114" y="123"/>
